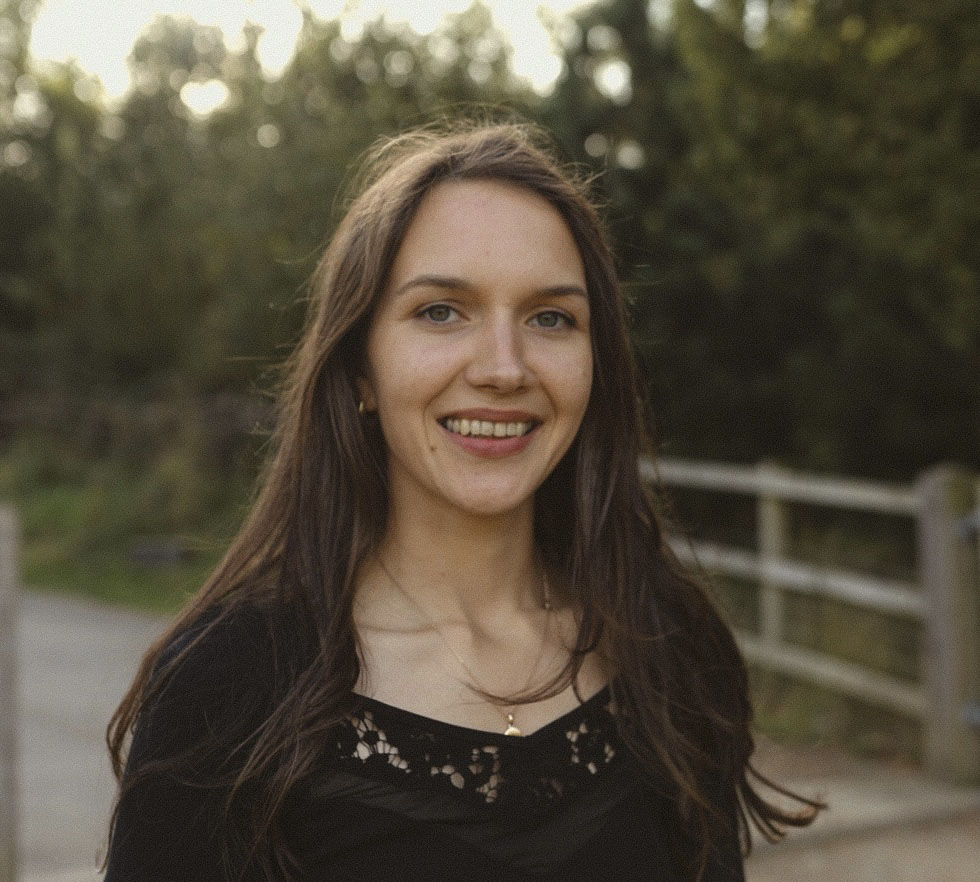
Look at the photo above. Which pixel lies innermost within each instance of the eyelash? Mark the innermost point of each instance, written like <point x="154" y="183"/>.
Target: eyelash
<point x="426" y="313"/>
<point x="564" y="319"/>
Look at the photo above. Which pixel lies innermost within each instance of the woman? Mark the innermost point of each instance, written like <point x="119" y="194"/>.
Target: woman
<point x="450" y="641"/>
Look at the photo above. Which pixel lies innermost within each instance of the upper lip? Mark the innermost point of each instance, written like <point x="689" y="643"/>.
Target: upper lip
<point x="491" y="415"/>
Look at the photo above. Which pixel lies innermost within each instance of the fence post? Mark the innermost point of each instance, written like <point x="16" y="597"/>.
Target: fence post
<point x="771" y="532"/>
<point x="8" y="694"/>
<point x="952" y="648"/>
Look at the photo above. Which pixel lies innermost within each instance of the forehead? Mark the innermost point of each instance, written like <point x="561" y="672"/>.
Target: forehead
<point x="484" y="226"/>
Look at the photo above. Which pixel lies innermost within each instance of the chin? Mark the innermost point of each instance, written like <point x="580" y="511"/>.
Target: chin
<point x="494" y="506"/>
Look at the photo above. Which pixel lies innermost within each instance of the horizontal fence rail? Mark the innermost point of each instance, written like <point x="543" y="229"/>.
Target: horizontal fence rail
<point x="883" y="595"/>
<point x="945" y="598"/>
<point x="790" y="487"/>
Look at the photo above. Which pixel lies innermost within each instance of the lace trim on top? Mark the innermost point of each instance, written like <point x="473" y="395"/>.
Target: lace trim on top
<point x="390" y="744"/>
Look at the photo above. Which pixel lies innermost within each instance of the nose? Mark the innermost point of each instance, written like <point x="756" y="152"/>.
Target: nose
<point x="498" y="361"/>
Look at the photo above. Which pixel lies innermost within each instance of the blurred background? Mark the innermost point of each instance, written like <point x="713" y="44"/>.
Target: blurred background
<point x="793" y="187"/>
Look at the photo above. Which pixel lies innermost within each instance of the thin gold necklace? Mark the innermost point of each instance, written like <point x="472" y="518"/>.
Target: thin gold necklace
<point x="546" y="605"/>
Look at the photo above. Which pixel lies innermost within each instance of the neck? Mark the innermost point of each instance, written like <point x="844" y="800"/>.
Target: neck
<point x="469" y="570"/>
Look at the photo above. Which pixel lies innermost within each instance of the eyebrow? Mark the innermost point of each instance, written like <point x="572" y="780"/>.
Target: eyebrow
<point x="454" y="283"/>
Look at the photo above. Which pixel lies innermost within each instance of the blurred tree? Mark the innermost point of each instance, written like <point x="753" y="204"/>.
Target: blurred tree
<point x="23" y="212"/>
<point x="843" y="137"/>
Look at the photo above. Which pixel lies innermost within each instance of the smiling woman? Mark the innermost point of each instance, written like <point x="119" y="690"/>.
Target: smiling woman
<point x="450" y="641"/>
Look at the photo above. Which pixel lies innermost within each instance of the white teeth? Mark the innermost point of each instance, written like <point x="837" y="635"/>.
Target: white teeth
<point x="486" y="428"/>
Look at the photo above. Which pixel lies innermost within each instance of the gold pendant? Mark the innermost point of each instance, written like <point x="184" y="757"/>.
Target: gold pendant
<point x="511" y="728"/>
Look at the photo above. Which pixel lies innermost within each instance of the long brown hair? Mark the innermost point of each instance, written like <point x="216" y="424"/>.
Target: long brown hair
<point x="680" y="684"/>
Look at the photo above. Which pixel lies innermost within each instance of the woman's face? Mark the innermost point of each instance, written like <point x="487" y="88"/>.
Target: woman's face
<point x="479" y="352"/>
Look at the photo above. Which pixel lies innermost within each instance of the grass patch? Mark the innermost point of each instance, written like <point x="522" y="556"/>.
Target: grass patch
<point x="112" y="578"/>
<point x="82" y="524"/>
<point x="794" y="712"/>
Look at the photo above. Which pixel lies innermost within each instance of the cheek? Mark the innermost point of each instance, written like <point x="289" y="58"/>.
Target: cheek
<point x="569" y="385"/>
<point x="579" y="381"/>
<point x="411" y="381"/>
<point x="389" y="368"/>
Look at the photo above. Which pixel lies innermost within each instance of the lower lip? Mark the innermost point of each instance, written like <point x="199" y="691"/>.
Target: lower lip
<point x="491" y="448"/>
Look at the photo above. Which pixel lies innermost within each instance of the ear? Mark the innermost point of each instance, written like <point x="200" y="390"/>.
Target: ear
<point x="365" y="392"/>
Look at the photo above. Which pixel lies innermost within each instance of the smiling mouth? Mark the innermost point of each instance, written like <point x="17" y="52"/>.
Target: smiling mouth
<point x="486" y="428"/>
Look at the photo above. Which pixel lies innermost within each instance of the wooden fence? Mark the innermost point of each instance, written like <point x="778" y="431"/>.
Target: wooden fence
<point x="945" y="597"/>
<point x="8" y="694"/>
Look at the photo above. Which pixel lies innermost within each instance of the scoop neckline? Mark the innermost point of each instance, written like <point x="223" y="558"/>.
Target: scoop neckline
<point x="433" y="725"/>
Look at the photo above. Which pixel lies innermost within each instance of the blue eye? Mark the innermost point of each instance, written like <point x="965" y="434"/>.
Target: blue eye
<point x="552" y="319"/>
<point x="438" y="313"/>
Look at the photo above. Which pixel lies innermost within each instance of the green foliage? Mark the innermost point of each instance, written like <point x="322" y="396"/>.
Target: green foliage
<point x="794" y="712"/>
<point x="82" y="523"/>
<point x="843" y="146"/>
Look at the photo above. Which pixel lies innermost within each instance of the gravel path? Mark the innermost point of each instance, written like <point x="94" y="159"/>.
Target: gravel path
<point x="947" y="851"/>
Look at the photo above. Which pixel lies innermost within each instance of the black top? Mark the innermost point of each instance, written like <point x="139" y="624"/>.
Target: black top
<point x="400" y="796"/>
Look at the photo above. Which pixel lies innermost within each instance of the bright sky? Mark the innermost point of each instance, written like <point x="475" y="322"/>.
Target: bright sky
<point x="99" y="34"/>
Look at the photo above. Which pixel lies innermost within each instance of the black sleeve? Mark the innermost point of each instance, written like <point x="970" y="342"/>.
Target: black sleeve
<point x="679" y="844"/>
<point x="171" y="825"/>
